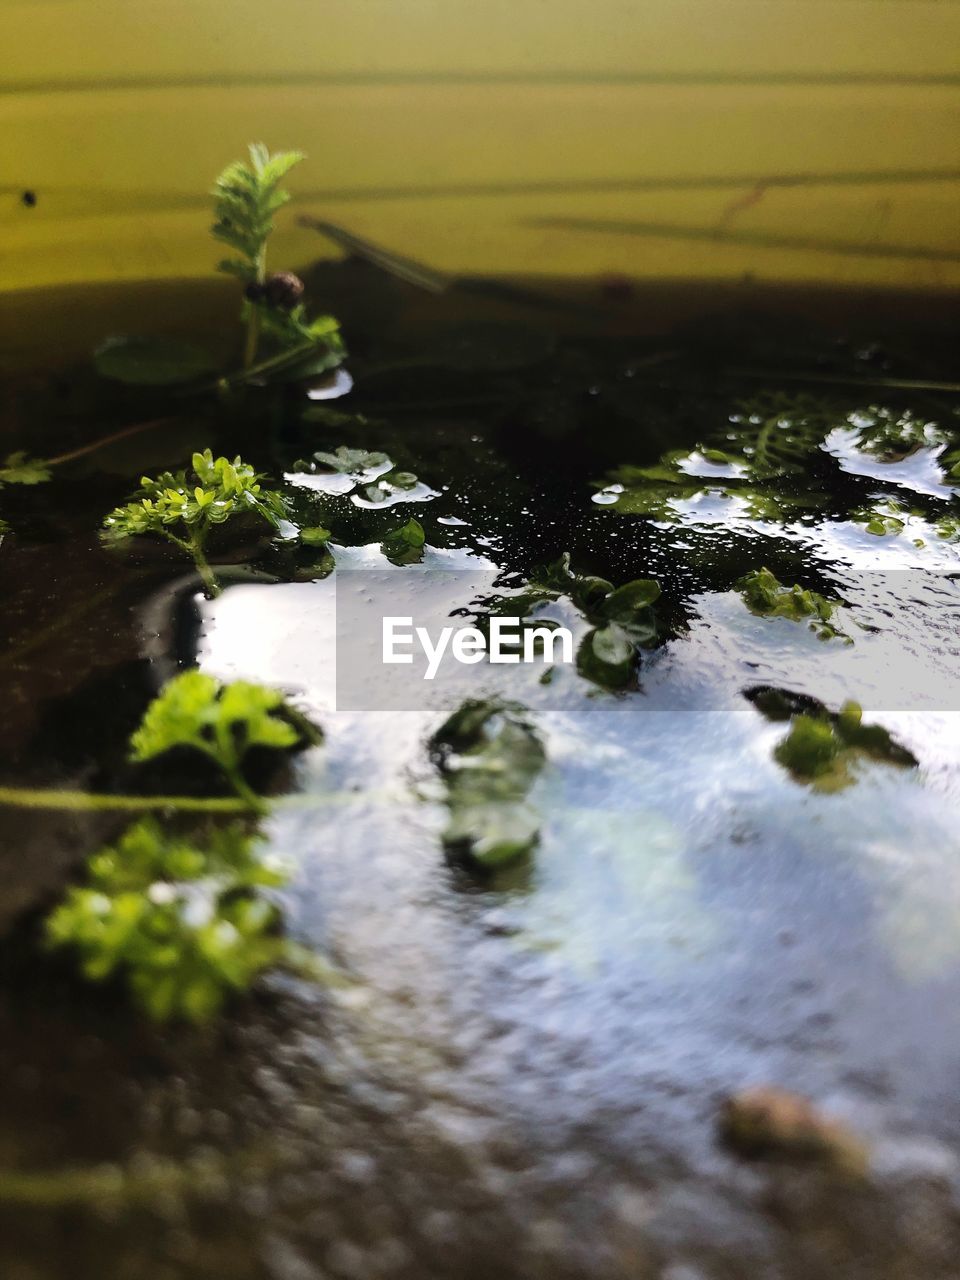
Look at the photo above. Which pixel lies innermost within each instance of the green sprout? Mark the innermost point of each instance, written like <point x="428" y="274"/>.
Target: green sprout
<point x="489" y="755"/>
<point x="246" y="196"/>
<point x="218" y="490"/>
<point x="223" y="721"/>
<point x="767" y="597"/>
<point x="185" y="925"/>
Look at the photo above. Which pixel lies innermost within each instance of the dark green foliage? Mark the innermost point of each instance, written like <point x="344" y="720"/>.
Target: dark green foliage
<point x="183" y="922"/>
<point x="765" y="596"/>
<point x="622" y="618"/>
<point x="489" y="756"/>
<point x="891" y="435"/>
<point x="774" y="434"/>
<point x="152" y="362"/>
<point x="766" y="439"/>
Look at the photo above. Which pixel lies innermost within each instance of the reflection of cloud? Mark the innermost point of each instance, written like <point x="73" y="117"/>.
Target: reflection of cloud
<point x="910" y="660"/>
<point x="610" y="884"/>
<point x="918" y="471"/>
<point x="918" y="901"/>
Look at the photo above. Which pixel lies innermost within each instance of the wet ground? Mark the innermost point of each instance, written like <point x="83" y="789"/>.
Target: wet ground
<point x="524" y="1076"/>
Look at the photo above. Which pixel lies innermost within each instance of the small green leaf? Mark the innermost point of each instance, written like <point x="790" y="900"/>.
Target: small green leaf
<point x="623" y="604"/>
<point x="405" y="545"/>
<point x="223" y="721"/>
<point x="315" y="537"/>
<point x="353" y="462"/>
<point x="622" y="618"/>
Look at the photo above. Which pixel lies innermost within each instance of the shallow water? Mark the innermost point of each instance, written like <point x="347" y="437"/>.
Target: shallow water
<point x="524" y="1075"/>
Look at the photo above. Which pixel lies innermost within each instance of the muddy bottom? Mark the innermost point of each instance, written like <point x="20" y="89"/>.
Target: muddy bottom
<point x="523" y="1073"/>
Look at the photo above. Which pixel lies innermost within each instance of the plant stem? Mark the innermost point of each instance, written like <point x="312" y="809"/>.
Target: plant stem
<point x="210" y="582"/>
<point x="244" y="790"/>
<point x="253" y="315"/>
<point x="105" y="440"/>
<point x="265" y="366"/>
<point x="49" y="798"/>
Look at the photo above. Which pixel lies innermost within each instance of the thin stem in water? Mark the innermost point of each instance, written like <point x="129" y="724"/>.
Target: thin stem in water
<point x="195" y="546"/>
<point x="105" y="440"/>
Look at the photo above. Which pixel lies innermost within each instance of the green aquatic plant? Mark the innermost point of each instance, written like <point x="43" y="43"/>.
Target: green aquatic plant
<point x="775" y="434"/>
<point x="765" y="440"/>
<point x="881" y="518"/>
<point x="375" y="477"/>
<point x="767" y="597"/>
<point x="811" y="750"/>
<point x="622" y="620"/>
<point x="182" y="921"/>
<point x="489" y="756"/>
<point x="356" y="463"/>
<point x="405" y="544"/>
<point x="891" y="435"/>
<point x="193" y="504"/>
<point x="223" y="721"/>
<point x="246" y="195"/>
<point x="822" y="747"/>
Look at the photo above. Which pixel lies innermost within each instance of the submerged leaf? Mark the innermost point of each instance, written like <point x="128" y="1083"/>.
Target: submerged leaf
<point x="315" y="537"/>
<point x="19" y="469"/>
<point x="489" y="755"/>
<point x="152" y="362"/>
